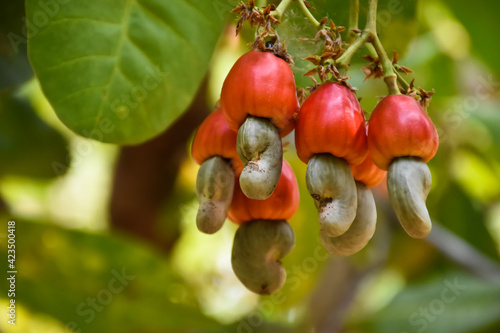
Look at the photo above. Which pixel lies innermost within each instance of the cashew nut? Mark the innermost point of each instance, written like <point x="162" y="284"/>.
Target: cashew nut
<point x="214" y="188"/>
<point x="361" y="230"/>
<point x="259" y="148"/>
<point x="409" y="182"/>
<point x="331" y="184"/>
<point x="257" y="249"/>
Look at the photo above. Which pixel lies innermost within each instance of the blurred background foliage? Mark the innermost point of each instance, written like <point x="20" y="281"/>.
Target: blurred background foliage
<point x="86" y="211"/>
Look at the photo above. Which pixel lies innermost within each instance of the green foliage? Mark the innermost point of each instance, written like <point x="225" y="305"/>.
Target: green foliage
<point x="59" y="270"/>
<point x="450" y="303"/>
<point x="29" y="152"/>
<point x="127" y="69"/>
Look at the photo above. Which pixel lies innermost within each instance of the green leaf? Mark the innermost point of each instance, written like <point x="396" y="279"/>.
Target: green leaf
<point x="28" y="146"/>
<point x="99" y="283"/>
<point x="122" y="70"/>
<point x="455" y="303"/>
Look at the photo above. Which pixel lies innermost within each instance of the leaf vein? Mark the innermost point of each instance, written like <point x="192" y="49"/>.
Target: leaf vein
<point x="75" y="93"/>
<point x="142" y="51"/>
<point x="77" y="59"/>
<point x="72" y="19"/>
<point x="124" y="31"/>
<point x="151" y="13"/>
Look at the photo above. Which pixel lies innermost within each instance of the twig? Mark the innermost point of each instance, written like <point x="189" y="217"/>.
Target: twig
<point x="463" y="253"/>
<point x="353" y="20"/>
<point x="308" y="14"/>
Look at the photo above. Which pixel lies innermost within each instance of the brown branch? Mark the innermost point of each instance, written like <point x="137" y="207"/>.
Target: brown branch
<point x="145" y="177"/>
<point x="462" y="253"/>
<point x="337" y="289"/>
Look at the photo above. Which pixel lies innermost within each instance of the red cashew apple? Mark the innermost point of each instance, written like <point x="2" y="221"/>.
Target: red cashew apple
<point x="330" y="136"/>
<point x="281" y="205"/>
<point x="264" y="236"/>
<point x="400" y="127"/>
<point x="259" y="100"/>
<point x="214" y="148"/>
<point x="402" y="139"/>
<point x="214" y="137"/>
<point x="261" y="85"/>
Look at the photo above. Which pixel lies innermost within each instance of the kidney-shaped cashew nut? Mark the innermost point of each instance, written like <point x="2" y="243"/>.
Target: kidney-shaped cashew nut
<point x="331" y="184"/>
<point x="214" y="188"/>
<point x="360" y="231"/>
<point x="257" y="249"/>
<point x="409" y="182"/>
<point x="259" y="148"/>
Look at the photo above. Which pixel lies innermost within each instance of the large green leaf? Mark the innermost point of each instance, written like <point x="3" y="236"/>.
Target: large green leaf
<point x="455" y="303"/>
<point x="122" y="71"/>
<point x="133" y="288"/>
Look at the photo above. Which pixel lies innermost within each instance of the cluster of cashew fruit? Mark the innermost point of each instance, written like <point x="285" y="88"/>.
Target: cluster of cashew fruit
<point x="345" y="158"/>
<point x="243" y="175"/>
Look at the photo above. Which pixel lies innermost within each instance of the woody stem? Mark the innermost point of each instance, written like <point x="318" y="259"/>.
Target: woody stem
<point x="280" y="10"/>
<point x="308" y="14"/>
<point x="390" y="76"/>
<point x="353" y="20"/>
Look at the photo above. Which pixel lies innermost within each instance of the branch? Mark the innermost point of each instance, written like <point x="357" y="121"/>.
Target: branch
<point x="463" y="253"/>
<point x="261" y="3"/>
<point x="145" y="176"/>
<point x="390" y="76"/>
<point x="353" y="20"/>
<point x="308" y="14"/>
<point x="331" y="304"/>
<point x="345" y="59"/>
<point x="280" y="10"/>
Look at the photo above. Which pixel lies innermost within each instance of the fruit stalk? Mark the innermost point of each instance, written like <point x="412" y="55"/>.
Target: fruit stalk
<point x="390" y="76"/>
<point x="308" y="14"/>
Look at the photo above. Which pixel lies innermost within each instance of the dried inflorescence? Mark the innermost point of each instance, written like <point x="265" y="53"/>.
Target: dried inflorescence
<point x="255" y="16"/>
